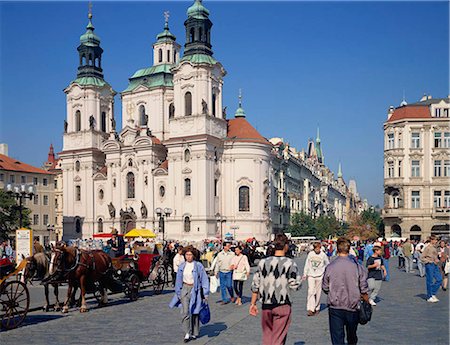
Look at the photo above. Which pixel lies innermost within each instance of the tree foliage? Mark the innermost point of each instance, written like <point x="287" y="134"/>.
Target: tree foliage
<point x="367" y="226"/>
<point x="10" y="214"/>
<point x="321" y="227"/>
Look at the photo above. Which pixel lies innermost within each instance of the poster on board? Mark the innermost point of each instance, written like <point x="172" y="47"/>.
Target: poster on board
<point x="24" y="244"/>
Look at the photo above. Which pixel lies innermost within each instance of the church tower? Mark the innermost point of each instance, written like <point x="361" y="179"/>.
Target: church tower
<point x="90" y="119"/>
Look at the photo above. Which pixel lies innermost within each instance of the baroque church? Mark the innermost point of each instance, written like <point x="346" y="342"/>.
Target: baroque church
<point x="176" y="151"/>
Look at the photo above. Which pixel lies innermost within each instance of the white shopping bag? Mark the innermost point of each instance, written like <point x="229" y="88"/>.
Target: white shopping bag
<point x="213" y="284"/>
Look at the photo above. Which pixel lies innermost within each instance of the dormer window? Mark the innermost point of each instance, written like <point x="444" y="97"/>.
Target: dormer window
<point x="437" y="112"/>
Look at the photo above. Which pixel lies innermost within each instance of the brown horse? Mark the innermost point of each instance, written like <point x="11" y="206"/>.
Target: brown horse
<point x="88" y="270"/>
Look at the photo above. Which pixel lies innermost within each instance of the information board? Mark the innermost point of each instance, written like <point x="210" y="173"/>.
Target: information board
<point x="24" y="243"/>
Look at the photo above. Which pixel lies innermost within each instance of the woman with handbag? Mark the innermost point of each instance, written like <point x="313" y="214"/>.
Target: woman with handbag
<point x="191" y="289"/>
<point x="241" y="271"/>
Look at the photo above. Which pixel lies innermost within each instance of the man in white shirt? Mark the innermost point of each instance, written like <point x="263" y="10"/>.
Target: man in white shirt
<point x="177" y="261"/>
<point x="223" y="270"/>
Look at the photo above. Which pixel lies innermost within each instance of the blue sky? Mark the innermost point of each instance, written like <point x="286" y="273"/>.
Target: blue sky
<point x="337" y="65"/>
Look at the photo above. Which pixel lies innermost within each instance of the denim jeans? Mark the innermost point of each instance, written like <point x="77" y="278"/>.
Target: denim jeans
<point x="408" y="264"/>
<point x="226" y="283"/>
<point x="433" y="278"/>
<point x="339" y="319"/>
<point x="386" y="266"/>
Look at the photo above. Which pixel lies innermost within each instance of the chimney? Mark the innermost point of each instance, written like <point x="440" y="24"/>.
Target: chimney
<point x="424" y="97"/>
<point x="390" y="111"/>
<point x="4" y="149"/>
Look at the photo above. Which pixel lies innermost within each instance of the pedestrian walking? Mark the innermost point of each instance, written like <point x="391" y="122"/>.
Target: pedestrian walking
<point x="443" y="258"/>
<point x="223" y="271"/>
<point x="432" y="271"/>
<point x="191" y="289"/>
<point x="272" y="282"/>
<point x="178" y="259"/>
<point x="401" y="256"/>
<point x="376" y="270"/>
<point x="241" y="271"/>
<point x="315" y="264"/>
<point x="418" y="255"/>
<point x="345" y="282"/>
<point x="407" y="252"/>
<point x="386" y="256"/>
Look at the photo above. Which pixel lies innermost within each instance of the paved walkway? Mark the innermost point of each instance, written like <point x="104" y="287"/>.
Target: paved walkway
<point x="401" y="317"/>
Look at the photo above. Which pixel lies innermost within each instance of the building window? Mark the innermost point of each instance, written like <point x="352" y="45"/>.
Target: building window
<point x="77" y="121"/>
<point x="447" y="199"/>
<point x="415" y="140"/>
<point x="130" y="185"/>
<point x="168" y="56"/>
<point x="399" y="168"/>
<point x="437" y="168"/>
<point x="45" y="200"/>
<point x="45" y="182"/>
<point x="395" y="200"/>
<point x="36" y="199"/>
<point x="162" y="191"/>
<point x="214" y="104"/>
<point x="437" y="199"/>
<point x="101" y="194"/>
<point x="160" y="55"/>
<point x="187" y="155"/>
<point x="187" y="104"/>
<point x="415" y="199"/>
<point x="171" y="111"/>
<point x="391" y="169"/>
<point x="174" y="56"/>
<point x="35" y="181"/>
<point x="45" y="219"/>
<point x="100" y="225"/>
<point x="437" y="140"/>
<point x="2" y="177"/>
<point x="56" y="203"/>
<point x="78" y="225"/>
<point x="391" y="142"/>
<point x="77" y="166"/>
<point x="415" y="168"/>
<point x="77" y="193"/>
<point x="437" y="112"/>
<point x="446" y="140"/>
<point x="23" y="179"/>
<point x="447" y="168"/>
<point x="216" y="181"/>
<point x="187" y="187"/>
<point x="142" y="116"/>
<point x="103" y="122"/>
<point x="187" y="224"/>
<point x="35" y="219"/>
<point x="244" y="199"/>
<point x="12" y="178"/>
<point x="192" y="35"/>
<point x="446" y="112"/>
<point x="55" y="184"/>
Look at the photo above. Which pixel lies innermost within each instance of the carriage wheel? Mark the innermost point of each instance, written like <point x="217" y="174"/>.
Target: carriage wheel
<point x="15" y="301"/>
<point x="160" y="280"/>
<point x="134" y="284"/>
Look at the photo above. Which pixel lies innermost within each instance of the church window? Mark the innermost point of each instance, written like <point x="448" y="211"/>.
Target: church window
<point x="130" y="185"/>
<point x="200" y="34"/>
<point x="77" y="166"/>
<point x="192" y="35"/>
<point x="160" y="54"/>
<point x="187" y="104"/>
<point x="83" y="60"/>
<point x="208" y="36"/>
<point x="101" y="194"/>
<point x="103" y="122"/>
<point x="90" y="59"/>
<point x="174" y="56"/>
<point x="187" y="187"/>
<point x="244" y="199"/>
<point x="168" y="56"/>
<point x="171" y="111"/>
<point x="100" y="225"/>
<point x="187" y="155"/>
<point x="214" y="104"/>
<point x="216" y="182"/>
<point x="187" y="224"/>
<point x="162" y="191"/>
<point x="77" y="193"/>
<point x="142" y="116"/>
<point x="78" y="121"/>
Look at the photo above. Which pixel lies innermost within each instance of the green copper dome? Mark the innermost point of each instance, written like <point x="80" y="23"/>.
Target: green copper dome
<point x="89" y="38"/>
<point x="166" y="35"/>
<point x="197" y="10"/>
<point x="239" y="112"/>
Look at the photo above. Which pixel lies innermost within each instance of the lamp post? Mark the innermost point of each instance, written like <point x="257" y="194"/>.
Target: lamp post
<point x="50" y="228"/>
<point x="162" y="215"/>
<point x="220" y="219"/>
<point x="20" y="192"/>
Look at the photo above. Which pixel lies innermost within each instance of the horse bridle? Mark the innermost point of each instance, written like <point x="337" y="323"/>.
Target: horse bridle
<point x="60" y="258"/>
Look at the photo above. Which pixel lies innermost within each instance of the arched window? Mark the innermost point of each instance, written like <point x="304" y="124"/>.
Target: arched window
<point x="77" y="193"/>
<point x="100" y="225"/>
<point x="187" y="187"/>
<point x="192" y="35"/>
<point x="187" y="155"/>
<point x="91" y="59"/>
<point x="103" y="122"/>
<point x="216" y="182"/>
<point x="171" y="111"/>
<point x="77" y="121"/>
<point x="101" y="194"/>
<point x="244" y="199"/>
<point x="187" y="104"/>
<point x="130" y="185"/>
<point x="168" y="56"/>
<point x="160" y="55"/>
<point x="174" y="56"/>
<point x="83" y="60"/>
<point x="142" y="116"/>
<point x="214" y="104"/>
<point x="208" y="36"/>
<point x="187" y="224"/>
<point x="200" y="34"/>
<point x="78" y="225"/>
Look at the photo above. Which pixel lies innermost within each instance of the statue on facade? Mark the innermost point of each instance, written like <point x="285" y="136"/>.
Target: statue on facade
<point x="144" y="120"/>
<point x="144" y="211"/>
<point x="112" y="210"/>
<point x="149" y="132"/>
<point x="91" y="122"/>
<point x="224" y="112"/>
<point x="65" y="126"/>
<point x="113" y="124"/>
<point x="204" y="107"/>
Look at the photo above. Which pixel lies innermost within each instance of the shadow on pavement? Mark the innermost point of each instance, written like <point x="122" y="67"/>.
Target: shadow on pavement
<point x="212" y="330"/>
<point x="299" y="343"/>
<point x="35" y="319"/>
<point x="422" y="296"/>
<point x="152" y="293"/>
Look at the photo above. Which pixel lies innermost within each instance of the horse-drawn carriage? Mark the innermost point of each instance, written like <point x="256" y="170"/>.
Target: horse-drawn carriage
<point x="14" y="295"/>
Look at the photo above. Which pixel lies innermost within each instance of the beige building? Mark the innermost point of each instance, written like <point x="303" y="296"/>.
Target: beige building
<point x="417" y="169"/>
<point x="42" y="204"/>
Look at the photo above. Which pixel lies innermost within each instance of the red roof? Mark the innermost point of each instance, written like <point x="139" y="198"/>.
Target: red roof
<point x="239" y="129"/>
<point x="411" y="112"/>
<point x="11" y="164"/>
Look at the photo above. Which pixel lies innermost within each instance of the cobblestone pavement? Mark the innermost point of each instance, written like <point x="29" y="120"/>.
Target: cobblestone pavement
<point x="401" y="317"/>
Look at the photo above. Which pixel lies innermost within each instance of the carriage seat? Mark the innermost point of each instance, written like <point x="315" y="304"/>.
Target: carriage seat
<point x="6" y="267"/>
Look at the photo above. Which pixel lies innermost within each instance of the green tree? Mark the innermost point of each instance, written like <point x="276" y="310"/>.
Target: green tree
<point x="10" y="214"/>
<point x="301" y="225"/>
<point x="321" y="227"/>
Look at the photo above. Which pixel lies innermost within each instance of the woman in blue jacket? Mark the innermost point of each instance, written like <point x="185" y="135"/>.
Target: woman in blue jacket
<point x="191" y="288"/>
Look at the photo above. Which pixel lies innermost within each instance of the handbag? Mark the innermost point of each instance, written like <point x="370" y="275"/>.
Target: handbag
<point x="447" y="266"/>
<point x="365" y="309"/>
<point x="204" y="314"/>
<point x="240" y="275"/>
<point x="213" y="284"/>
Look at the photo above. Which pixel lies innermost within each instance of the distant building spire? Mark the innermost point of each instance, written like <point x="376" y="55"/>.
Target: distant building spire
<point x="240" y="111"/>
<point x="403" y="103"/>
<point x="339" y="171"/>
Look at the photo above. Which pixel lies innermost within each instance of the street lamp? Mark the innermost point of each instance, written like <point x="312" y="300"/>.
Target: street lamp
<point x="50" y="229"/>
<point x="162" y="215"/>
<point x="20" y="192"/>
<point x="220" y="219"/>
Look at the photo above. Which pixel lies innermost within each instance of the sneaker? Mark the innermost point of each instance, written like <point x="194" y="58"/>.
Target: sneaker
<point x="431" y="300"/>
<point x="310" y="313"/>
<point x="372" y="302"/>
<point x="187" y="337"/>
<point x="435" y="298"/>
